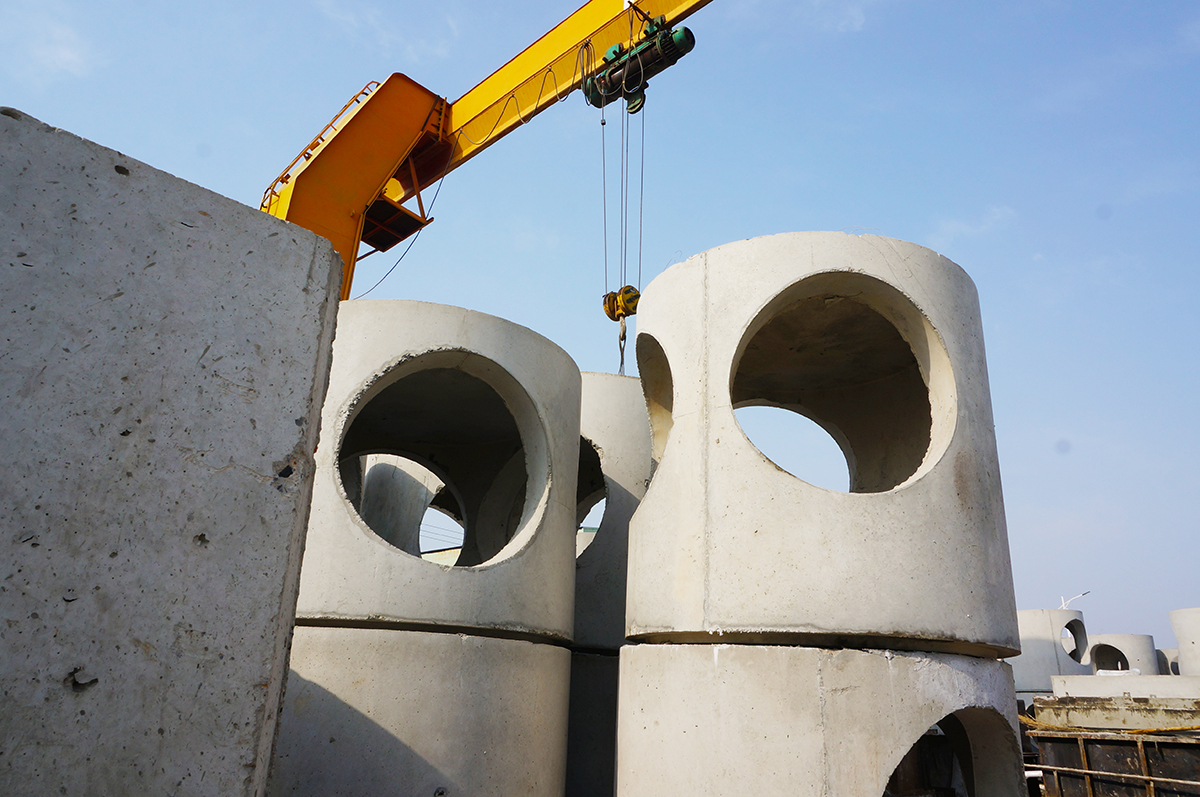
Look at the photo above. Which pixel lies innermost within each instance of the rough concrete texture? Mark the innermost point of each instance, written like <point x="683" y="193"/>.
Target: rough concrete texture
<point x="166" y="355"/>
<point x="613" y="421"/>
<point x="490" y="407"/>
<point x="438" y="714"/>
<point x="878" y="341"/>
<point x="592" y="725"/>
<point x="1122" y="652"/>
<point x="1132" y="685"/>
<point x="756" y="719"/>
<point x="1186" y="625"/>
<point x="1053" y="642"/>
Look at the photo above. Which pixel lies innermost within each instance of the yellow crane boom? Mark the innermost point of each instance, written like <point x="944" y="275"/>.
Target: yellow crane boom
<point x="351" y="183"/>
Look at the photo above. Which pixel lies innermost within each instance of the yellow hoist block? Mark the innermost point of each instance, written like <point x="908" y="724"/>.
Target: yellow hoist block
<point x="621" y="304"/>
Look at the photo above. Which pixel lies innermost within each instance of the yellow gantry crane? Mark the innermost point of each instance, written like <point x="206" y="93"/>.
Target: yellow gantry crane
<point x="355" y="181"/>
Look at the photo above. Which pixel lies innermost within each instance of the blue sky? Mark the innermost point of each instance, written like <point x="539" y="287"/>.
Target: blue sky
<point x="1050" y="148"/>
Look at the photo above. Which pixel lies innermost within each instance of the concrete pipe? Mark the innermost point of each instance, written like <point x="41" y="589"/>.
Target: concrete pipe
<point x="880" y="343"/>
<point x="614" y="467"/>
<point x="377" y="711"/>
<point x="763" y="719"/>
<point x="486" y="414"/>
<point x="1122" y="652"/>
<point x="1186" y="625"/>
<point x="1053" y="642"/>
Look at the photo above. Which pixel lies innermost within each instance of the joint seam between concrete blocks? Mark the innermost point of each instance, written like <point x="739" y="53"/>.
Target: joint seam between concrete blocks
<point x="705" y="420"/>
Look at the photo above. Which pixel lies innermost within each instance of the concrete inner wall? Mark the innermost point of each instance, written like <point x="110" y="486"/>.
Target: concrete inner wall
<point x="166" y="357"/>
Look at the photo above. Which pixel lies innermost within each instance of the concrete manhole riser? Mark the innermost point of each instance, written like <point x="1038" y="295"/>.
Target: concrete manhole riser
<point x="880" y="342"/>
<point x="1053" y="642"/>
<point x="761" y="719"/>
<point x="525" y="582"/>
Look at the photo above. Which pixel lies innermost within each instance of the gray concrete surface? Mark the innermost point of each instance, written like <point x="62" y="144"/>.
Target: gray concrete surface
<point x="377" y="711"/>
<point x="757" y="719"/>
<point x="1132" y="685"/>
<point x="165" y="359"/>
<point x="879" y="341"/>
<point x="1186" y="625"/>
<point x="613" y="420"/>
<point x="1046" y="635"/>
<point x="1168" y="661"/>
<point x="490" y="407"/>
<point x="1122" y="652"/>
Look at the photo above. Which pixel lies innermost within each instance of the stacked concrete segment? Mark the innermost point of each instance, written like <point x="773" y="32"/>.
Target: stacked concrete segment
<point x="417" y="675"/>
<point x="879" y="342"/>
<point x="166" y="359"/>
<point x="1186" y="625"/>
<point x="614" y="463"/>
<point x="1123" y="652"/>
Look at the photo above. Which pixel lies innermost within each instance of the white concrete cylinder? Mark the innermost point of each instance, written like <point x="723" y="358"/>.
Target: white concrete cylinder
<point x="1186" y="625"/>
<point x="879" y="341"/>
<point x="493" y="409"/>
<point x="1168" y="661"/>
<point x="614" y="464"/>
<point x="613" y="421"/>
<point x="1122" y="652"/>
<point x="759" y="719"/>
<point x="1053" y="642"/>
<point x="379" y="711"/>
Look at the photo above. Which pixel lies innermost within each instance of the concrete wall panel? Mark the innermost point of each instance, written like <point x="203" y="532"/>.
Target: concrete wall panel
<point x="757" y="719"/>
<point x="493" y="409"/>
<point x="372" y="711"/>
<point x="880" y="342"/>
<point x="166" y="357"/>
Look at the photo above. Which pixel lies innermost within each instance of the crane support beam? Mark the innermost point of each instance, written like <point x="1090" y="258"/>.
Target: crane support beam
<point x="351" y="182"/>
<point x="549" y="69"/>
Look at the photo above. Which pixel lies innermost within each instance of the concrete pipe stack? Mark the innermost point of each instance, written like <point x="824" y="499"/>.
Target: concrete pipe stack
<point x="446" y="671"/>
<point x="614" y="467"/>
<point x="795" y="639"/>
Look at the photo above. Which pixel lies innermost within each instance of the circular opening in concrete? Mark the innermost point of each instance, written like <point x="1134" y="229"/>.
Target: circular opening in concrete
<point x="590" y="496"/>
<point x="1074" y="640"/>
<point x="659" y="390"/>
<point x="856" y="357"/>
<point x="1106" y="657"/>
<point x="435" y="444"/>
<point x="410" y="507"/>
<point x="943" y="760"/>
<point x="796" y="444"/>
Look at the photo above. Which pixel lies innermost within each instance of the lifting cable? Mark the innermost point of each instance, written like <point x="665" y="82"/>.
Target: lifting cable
<point x="621" y="303"/>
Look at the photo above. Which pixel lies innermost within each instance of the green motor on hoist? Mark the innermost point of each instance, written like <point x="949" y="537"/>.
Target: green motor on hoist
<point x="627" y="70"/>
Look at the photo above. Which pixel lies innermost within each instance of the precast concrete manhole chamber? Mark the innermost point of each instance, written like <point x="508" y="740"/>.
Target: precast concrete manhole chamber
<point x="831" y="348"/>
<point x="435" y="434"/>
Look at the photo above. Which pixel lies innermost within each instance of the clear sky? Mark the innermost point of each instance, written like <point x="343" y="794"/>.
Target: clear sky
<point x="1050" y="148"/>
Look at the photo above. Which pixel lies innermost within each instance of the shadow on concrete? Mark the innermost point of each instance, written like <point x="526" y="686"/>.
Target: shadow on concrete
<point x="326" y="747"/>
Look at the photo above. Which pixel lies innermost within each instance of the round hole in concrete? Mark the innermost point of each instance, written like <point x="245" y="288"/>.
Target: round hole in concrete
<point x="1107" y="657"/>
<point x="796" y="444"/>
<point x="590" y="496"/>
<point x="659" y="389"/>
<point x="1074" y="640"/>
<point x="859" y="359"/>
<point x="457" y="429"/>
<point x="959" y="755"/>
